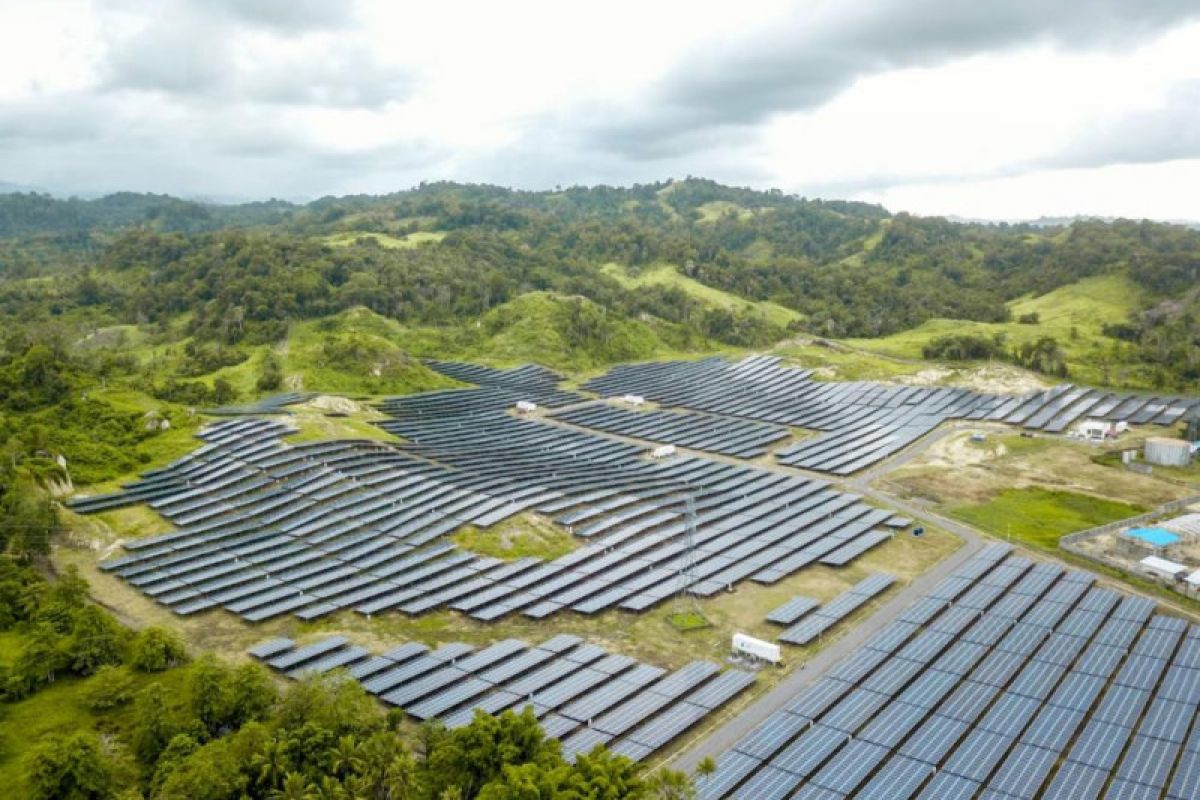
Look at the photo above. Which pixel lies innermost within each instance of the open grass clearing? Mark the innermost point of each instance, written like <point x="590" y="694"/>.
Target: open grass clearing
<point x="1040" y="517"/>
<point x="414" y="239"/>
<point x="1072" y="314"/>
<point x="668" y="275"/>
<point x="526" y="535"/>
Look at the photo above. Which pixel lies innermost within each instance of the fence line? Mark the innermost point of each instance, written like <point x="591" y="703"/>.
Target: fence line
<point x="1149" y="516"/>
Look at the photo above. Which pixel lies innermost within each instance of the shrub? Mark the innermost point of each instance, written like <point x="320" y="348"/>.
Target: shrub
<point x="156" y="649"/>
<point x="109" y="687"/>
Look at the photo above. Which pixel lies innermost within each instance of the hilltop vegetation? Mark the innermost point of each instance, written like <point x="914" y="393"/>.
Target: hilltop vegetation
<point x="130" y="310"/>
<point x="724" y="266"/>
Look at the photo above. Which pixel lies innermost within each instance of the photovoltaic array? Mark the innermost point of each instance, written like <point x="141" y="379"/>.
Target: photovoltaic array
<point x="582" y="695"/>
<point x="265" y="528"/>
<point x="1011" y="679"/>
<point x="862" y="422"/>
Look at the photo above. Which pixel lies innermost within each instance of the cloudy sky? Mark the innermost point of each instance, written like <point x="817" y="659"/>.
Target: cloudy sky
<point x="1000" y="110"/>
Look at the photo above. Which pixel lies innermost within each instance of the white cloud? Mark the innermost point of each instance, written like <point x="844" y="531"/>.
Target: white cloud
<point x="307" y="98"/>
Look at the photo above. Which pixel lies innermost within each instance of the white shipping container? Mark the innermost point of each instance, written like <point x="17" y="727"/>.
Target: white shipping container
<point x="748" y="645"/>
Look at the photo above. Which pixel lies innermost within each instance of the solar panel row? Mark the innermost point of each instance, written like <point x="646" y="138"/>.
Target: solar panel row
<point x="813" y="626"/>
<point x="582" y="694"/>
<point x="862" y="422"/>
<point x="1011" y="679"/>
<point x="267" y="528"/>
<point x="707" y="432"/>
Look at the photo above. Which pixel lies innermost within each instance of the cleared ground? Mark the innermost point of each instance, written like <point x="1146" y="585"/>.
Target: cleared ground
<point x="957" y="472"/>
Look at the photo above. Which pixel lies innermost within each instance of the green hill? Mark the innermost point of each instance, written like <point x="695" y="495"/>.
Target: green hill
<point x="1074" y="315"/>
<point x="667" y="275"/>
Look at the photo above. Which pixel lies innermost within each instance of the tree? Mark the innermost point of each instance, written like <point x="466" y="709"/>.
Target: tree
<point x="295" y="787"/>
<point x="98" y="640"/>
<point x="40" y="661"/>
<point x="155" y="649"/>
<point x="73" y="768"/>
<point x="271" y="376"/>
<point x="110" y="687"/>
<point x="669" y="784"/>
<point x="153" y="723"/>
<point x="250" y="694"/>
<point x="208" y="695"/>
<point x="271" y="764"/>
<point x="223" y="392"/>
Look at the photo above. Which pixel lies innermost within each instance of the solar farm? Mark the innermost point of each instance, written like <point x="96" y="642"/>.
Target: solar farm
<point x="1008" y="679"/>
<point x="264" y="528"/>
<point x="861" y="423"/>
<point x="581" y="694"/>
<point x="1011" y="679"/>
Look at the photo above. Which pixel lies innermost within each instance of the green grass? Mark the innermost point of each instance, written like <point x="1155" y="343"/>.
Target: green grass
<point x="58" y="710"/>
<point x="667" y="275"/>
<point x="1071" y="314"/>
<point x="523" y="536"/>
<point x="843" y="363"/>
<point x="1040" y="517"/>
<point x="684" y="621"/>
<point x="713" y="210"/>
<point x="348" y="238"/>
<point x="356" y="352"/>
<point x="536" y="327"/>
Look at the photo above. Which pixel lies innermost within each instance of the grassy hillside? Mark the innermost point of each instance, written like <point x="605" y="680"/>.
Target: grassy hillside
<point x="667" y="275"/>
<point x="355" y="352"/>
<point x="1072" y="314"/>
<point x="347" y="238"/>
<point x="566" y="333"/>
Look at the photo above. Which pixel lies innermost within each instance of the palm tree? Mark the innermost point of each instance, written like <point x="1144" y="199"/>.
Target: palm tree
<point x="271" y="764"/>
<point x="294" y="788"/>
<point x="346" y="757"/>
<point x="400" y="781"/>
<point x="706" y="767"/>
<point x="669" y="784"/>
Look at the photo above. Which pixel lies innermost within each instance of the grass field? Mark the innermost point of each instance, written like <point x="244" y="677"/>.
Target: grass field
<point x="523" y="536"/>
<point x="956" y="471"/>
<point x="59" y="710"/>
<point x="1040" y="517"/>
<point x="1071" y="314"/>
<point x="347" y="238"/>
<point x="667" y="275"/>
<point x="833" y="362"/>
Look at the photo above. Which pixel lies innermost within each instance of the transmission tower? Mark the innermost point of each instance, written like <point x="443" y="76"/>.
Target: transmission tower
<point x="686" y="601"/>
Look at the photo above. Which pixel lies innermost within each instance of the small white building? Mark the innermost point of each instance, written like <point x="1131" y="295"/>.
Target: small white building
<point x="526" y="407"/>
<point x="1097" y="430"/>
<point x="663" y="451"/>
<point x="756" y="648"/>
<point x="1193" y="581"/>
<point x="634" y="399"/>
<point x="1162" y="568"/>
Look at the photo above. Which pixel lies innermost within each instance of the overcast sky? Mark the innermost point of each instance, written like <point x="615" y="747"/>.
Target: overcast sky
<point x="1006" y="109"/>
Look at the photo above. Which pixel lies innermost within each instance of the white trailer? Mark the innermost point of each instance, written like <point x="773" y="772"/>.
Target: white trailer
<point x="749" y="646"/>
<point x="663" y="451"/>
<point x="526" y="407"/>
<point x="634" y="399"/>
